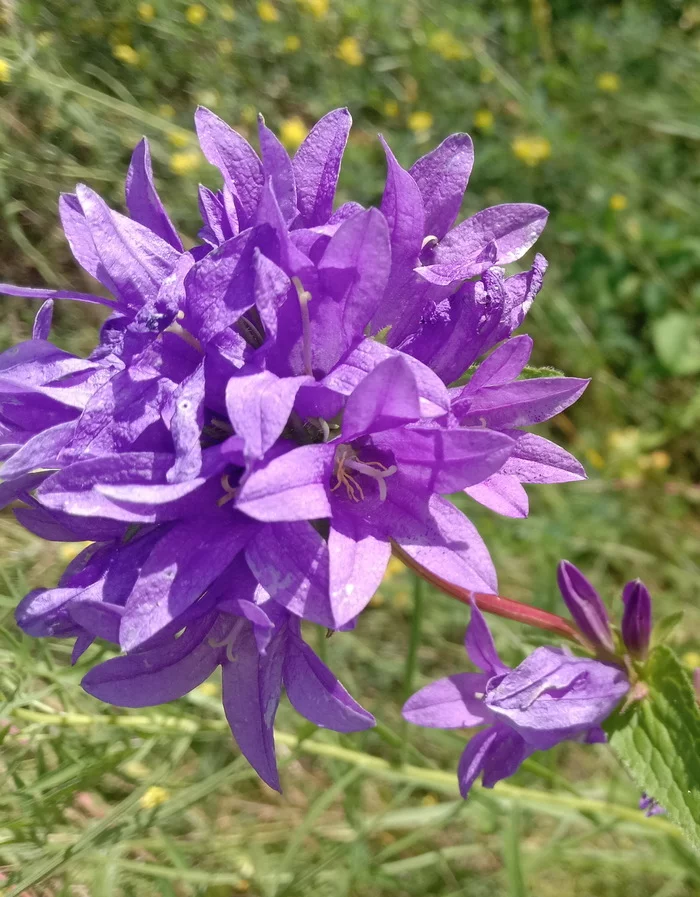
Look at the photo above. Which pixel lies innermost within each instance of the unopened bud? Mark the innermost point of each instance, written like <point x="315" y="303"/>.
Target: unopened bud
<point x="585" y="606"/>
<point x="636" y="618"/>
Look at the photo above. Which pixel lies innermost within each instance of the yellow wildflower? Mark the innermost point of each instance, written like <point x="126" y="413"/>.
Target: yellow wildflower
<point x="391" y="108"/>
<point x="660" y="460"/>
<point x="5" y="72"/>
<point x="242" y="886"/>
<point x="44" y="39"/>
<point x="618" y="202"/>
<point x="179" y="139"/>
<point x="153" y="797"/>
<point x="532" y="150"/>
<point x="227" y="12"/>
<point x="292" y="132"/>
<point x="208" y="689"/>
<point x="292" y="43"/>
<point x="691" y="659"/>
<point x="483" y="119"/>
<point x="430" y="800"/>
<point x="209" y="98"/>
<point x="348" y="50"/>
<point x="419" y="122"/>
<point x="196" y="14"/>
<point x="446" y="45"/>
<point x="267" y="11"/>
<point x="184" y="163"/>
<point x="146" y="12"/>
<point x="624" y="441"/>
<point x="394" y="568"/>
<point x="126" y="54"/>
<point x="608" y="82"/>
<point x="486" y="76"/>
<point x="136" y="770"/>
<point x="225" y="46"/>
<point x="317" y="8"/>
<point x="249" y="114"/>
<point x="166" y="111"/>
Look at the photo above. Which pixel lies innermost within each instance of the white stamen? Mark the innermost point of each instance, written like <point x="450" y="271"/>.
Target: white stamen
<point x="228" y="640"/>
<point x="430" y="240"/>
<point x="304" y="299"/>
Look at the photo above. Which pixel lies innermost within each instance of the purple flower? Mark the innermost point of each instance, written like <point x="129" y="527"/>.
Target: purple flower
<point x="241" y="412"/>
<point x="551" y="697"/>
<point x="650" y="806"/>
<point x="636" y="618"/>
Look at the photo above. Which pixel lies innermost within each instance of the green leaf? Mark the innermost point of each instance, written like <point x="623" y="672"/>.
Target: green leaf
<point x="658" y="740"/>
<point x="663" y="629"/>
<point x="677" y="343"/>
<point x="530" y="372"/>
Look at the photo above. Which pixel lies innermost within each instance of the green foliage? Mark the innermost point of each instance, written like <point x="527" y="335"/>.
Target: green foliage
<point x="657" y="739"/>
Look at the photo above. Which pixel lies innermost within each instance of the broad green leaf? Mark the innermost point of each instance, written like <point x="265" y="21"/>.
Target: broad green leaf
<point x="658" y="741"/>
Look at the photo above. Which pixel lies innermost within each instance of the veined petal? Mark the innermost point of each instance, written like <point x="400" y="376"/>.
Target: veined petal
<point x="480" y="646"/>
<point x="501" y="493"/>
<point x="278" y="167"/>
<point x="537" y="460"/>
<point x="442" y="177"/>
<point x="358" y="560"/>
<point x="293" y="486"/>
<point x="385" y="399"/>
<point x="315" y="692"/>
<point x="452" y="703"/>
<point x="473" y="759"/>
<point x="317" y="166"/>
<point x="519" y="404"/>
<point x="290" y="561"/>
<point x="142" y="198"/>
<point x="503" y="365"/>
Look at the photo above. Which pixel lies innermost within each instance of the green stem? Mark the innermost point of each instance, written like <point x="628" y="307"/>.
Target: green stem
<point x="497" y="604"/>
<point x="414" y="637"/>
<point x="434" y="779"/>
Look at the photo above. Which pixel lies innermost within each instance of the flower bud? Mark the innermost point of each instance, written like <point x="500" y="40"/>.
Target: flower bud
<point x="585" y="606"/>
<point x="636" y="618"/>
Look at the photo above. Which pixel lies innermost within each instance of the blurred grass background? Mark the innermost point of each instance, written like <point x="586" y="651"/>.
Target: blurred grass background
<point x="590" y="109"/>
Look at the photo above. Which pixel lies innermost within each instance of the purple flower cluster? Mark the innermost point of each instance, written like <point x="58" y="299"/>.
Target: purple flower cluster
<point x="266" y="412"/>
<point x="552" y="696"/>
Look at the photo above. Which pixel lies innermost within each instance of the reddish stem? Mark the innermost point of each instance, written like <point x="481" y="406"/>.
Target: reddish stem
<point x="497" y="604"/>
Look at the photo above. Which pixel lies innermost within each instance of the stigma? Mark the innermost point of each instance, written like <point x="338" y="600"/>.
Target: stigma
<point x="347" y="468"/>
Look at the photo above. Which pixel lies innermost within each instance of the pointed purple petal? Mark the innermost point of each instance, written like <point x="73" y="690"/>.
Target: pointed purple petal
<point x="290" y="561"/>
<point x="358" y="560"/>
<point x="386" y="398"/>
<point x="259" y="406"/>
<point x="317" y="165"/>
<point x="251" y="688"/>
<point x="450" y="703"/>
<point x="501" y="493"/>
<point x="473" y="759"/>
<point x="142" y="199"/>
<point x="186" y="419"/>
<point x="278" y="166"/>
<point x="314" y="692"/>
<point x="537" y="460"/>
<point x="293" y="486"/>
<point x="504" y="757"/>
<point x="234" y="157"/>
<point x="585" y="606"/>
<point x="503" y="365"/>
<point x="442" y="177"/>
<point x="480" y="646"/>
<point x="519" y="404"/>
<point x="42" y="321"/>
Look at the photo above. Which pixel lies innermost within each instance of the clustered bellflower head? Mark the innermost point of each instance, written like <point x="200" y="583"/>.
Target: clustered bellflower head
<point x="552" y="696"/>
<point x="265" y="413"/>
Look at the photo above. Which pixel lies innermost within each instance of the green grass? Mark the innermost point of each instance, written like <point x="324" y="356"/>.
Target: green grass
<point x="378" y="813"/>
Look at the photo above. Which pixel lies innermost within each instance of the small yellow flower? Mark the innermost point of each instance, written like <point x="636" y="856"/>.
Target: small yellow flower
<point x="445" y="44"/>
<point x="153" y="797"/>
<point x="208" y="98"/>
<point x="691" y="659"/>
<point x="126" y="54"/>
<point x="196" y="14"/>
<point x="419" y="122"/>
<point x="348" y="50"/>
<point x="208" y="689"/>
<point x="227" y="12"/>
<point x="249" y="114"/>
<point x="166" y="111"/>
<point x="292" y="132"/>
<point x="618" y="202"/>
<point x="317" y="8"/>
<point x="179" y="139"/>
<point x="486" y="76"/>
<point x="531" y="150"/>
<point x="483" y="119"/>
<point x="5" y="72"/>
<point x="430" y="800"/>
<point x="660" y="460"/>
<point x="136" y="770"/>
<point x="401" y="600"/>
<point x="395" y="568"/>
<point x="268" y="11"/>
<point x="146" y="12"/>
<point x="292" y="43"/>
<point x="44" y="39"/>
<point x="624" y="441"/>
<point x="242" y="886"/>
<point x="225" y="46"/>
<point x="184" y="163"/>
<point x="391" y="108"/>
<point x="608" y="82"/>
